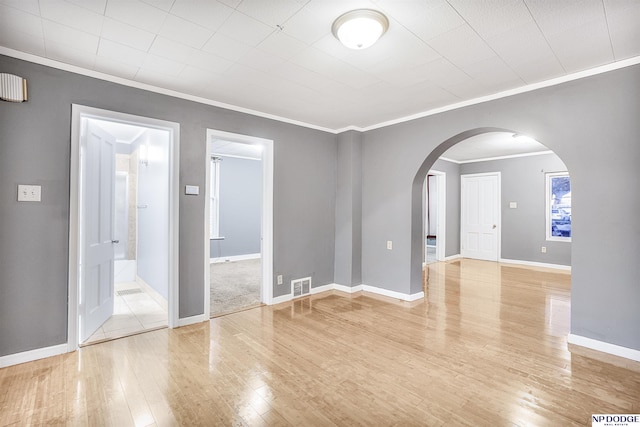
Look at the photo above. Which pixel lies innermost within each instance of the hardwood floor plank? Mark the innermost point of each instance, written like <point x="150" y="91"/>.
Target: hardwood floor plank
<point x="487" y="346"/>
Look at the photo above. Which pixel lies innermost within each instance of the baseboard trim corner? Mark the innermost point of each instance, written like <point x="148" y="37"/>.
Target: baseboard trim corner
<point x="31" y="355"/>
<point x="452" y="257"/>
<point x="393" y="294"/>
<point x="604" y="347"/>
<point x="347" y="289"/>
<point x="186" y="321"/>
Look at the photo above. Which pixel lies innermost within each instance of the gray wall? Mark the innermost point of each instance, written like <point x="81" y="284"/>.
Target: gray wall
<point x="348" y="233"/>
<point x="35" y="149"/>
<point x="592" y="125"/>
<point x="240" y="207"/>
<point x="153" y="221"/>
<point x="523" y="229"/>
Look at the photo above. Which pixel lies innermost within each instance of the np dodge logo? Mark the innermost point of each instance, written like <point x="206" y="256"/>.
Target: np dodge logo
<point x="615" y="420"/>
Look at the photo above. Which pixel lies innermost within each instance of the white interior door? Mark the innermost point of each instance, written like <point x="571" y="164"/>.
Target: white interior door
<point x="97" y="293"/>
<point x="480" y="219"/>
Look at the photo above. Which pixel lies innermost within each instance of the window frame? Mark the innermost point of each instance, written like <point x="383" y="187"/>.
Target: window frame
<point x="549" y="206"/>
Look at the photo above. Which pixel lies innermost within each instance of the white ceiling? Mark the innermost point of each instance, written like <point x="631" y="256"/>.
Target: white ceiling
<point x="278" y="57"/>
<point x="493" y="145"/>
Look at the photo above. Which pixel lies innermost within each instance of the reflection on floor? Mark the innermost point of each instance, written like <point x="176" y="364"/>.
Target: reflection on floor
<point x="134" y="311"/>
<point x="430" y="249"/>
<point x="431" y="254"/>
<point x="235" y="285"/>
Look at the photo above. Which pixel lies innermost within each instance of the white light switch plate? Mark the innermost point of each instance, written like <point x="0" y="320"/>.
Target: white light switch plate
<point x="29" y="193"/>
<point x="191" y="190"/>
<point x="513" y="205"/>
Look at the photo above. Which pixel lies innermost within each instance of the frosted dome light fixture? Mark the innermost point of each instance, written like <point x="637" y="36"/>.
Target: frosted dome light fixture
<point x="360" y="28"/>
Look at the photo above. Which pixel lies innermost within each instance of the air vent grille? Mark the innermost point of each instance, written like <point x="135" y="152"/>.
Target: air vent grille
<point x="300" y="287"/>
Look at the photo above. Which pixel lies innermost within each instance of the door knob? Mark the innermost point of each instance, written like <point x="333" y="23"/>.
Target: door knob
<point x="494" y="226"/>
<point x="115" y="241"/>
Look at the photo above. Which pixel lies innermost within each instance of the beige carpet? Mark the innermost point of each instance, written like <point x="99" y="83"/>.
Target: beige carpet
<point x="235" y="285"/>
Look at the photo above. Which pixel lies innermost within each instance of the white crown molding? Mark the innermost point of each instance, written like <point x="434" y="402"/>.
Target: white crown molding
<point x="507" y="93"/>
<point x="504" y="94"/>
<point x="144" y="86"/>
<point x="488" y="159"/>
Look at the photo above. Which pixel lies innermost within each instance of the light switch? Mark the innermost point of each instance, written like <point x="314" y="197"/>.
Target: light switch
<point x="191" y="190"/>
<point x="389" y="244"/>
<point x="29" y="193"/>
<point x="513" y="205"/>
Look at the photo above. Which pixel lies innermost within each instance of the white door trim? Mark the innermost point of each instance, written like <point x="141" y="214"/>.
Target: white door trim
<point x="498" y="210"/>
<point x="441" y="180"/>
<point x="79" y="112"/>
<point x="267" y="213"/>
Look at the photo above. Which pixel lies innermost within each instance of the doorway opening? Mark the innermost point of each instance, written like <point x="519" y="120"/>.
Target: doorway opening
<point x="123" y="236"/>
<point x="435" y="216"/>
<point x="239" y="225"/>
<point x="516" y="166"/>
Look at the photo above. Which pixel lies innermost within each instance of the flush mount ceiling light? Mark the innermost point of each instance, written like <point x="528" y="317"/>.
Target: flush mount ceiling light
<point x="360" y="28"/>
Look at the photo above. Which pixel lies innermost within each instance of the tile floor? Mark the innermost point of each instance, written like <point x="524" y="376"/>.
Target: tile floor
<point x="132" y="313"/>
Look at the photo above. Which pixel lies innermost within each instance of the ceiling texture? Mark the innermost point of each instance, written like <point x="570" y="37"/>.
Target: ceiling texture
<point x="279" y="58"/>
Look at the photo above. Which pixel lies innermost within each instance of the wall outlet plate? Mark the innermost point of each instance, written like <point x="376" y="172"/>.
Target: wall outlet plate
<point x="29" y="193"/>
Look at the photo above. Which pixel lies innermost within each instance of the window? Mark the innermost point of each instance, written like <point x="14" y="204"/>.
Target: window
<point x="214" y="217"/>
<point x="558" y="206"/>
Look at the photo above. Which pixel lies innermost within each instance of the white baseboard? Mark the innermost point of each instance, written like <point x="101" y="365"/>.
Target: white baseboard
<point x="323" y="288"/>
<point x="452" y="257"/>
<point x="535" y="264"/>
<point x="31" y="355"/>
<point x="352" y="290"/>
<point x="281" y="299"/>
<point x="604" y="347"/>
<point x="379" y="291"/>
<point x="393" y="294"/>
<point x="348" y="289"/>
<point x="198" y="318"/>
<point x="155" y="295"/>
<point x="234" y="258"/>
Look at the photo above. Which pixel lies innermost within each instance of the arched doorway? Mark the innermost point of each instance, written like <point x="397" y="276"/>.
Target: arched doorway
<point x="559" y="254"/>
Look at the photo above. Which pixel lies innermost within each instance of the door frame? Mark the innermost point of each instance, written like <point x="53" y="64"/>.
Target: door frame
<point x="441" y="229"/>
<point x="78" y="112"/>
<point x="498" y="176"/>
<point x="266" y="246"/>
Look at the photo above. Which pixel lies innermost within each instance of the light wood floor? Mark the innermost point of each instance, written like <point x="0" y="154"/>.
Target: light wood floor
<point x="487" y="348"/>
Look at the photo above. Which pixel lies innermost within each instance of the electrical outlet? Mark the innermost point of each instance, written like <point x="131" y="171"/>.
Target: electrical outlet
<point x="279" y="279"/>
<point x="389" y="244"/>
<point x="29" y="193"/>
<point x="543" y="249"/>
